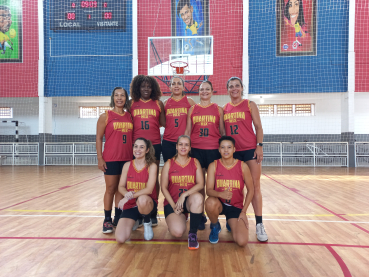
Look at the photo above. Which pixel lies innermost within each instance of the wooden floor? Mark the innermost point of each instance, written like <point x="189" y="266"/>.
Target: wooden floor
<point x="51" y="219"/>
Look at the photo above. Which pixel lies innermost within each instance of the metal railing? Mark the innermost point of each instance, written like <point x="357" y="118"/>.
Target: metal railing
<point x="312" y="154"/>
<point x="361" y="154"/>
<point x="305" y="154"/>
<point x="19" y="153"/>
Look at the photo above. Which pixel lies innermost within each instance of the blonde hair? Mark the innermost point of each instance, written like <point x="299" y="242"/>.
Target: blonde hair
<point x="149" y="156"/>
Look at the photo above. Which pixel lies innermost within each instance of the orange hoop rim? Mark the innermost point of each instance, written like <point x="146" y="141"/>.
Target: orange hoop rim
<point x="179" y="67"/>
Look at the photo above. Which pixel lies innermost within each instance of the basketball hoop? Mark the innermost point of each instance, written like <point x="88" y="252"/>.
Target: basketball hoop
<point x="179" y="68"/>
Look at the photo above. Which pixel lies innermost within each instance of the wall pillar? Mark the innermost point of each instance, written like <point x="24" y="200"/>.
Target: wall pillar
<point x="348" y="98"/>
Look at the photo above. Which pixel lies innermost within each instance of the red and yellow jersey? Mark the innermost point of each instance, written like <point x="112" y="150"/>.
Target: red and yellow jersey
<point x="145" y="115"/>
<point x="136" y="181"/>
<point x="176" y="118"/>
<point x="205" y="127"/>
<point x="232" y="178"/>
<point x="181" y="178"/>
<point x="238" y="124"/>
<point x="118" y="137"/>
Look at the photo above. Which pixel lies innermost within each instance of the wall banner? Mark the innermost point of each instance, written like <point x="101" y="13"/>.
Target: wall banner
<point x="296" y="28"/>
<point x="11" y="44"/>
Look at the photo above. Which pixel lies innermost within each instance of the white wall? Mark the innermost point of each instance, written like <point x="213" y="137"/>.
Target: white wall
<point x="25" y="110"/>
<point x="327" y="119"/>
<point x="66" y="121"/>
<point x="361" y="112"/>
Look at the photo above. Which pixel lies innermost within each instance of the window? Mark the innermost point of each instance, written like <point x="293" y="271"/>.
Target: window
<point x="92" y="112"/>
<point x="287" y="110"/>
<point x="6" y="112"/>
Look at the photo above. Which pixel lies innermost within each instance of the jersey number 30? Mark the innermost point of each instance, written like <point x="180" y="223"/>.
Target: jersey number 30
<point x="204" y="132"/>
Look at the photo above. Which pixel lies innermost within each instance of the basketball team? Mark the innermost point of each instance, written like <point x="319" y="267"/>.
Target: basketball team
<point x="206" y="148"/>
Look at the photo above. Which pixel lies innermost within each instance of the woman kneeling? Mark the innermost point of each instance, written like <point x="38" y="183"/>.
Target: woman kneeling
<point x="137" y="185"/>
<point x="224" y="186"/>
<point x="181" y="181"/>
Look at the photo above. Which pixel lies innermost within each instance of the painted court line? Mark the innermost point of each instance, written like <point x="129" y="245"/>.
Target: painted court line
<point x="344" y="268"/>
<point x="185" y="241"/>
<point x="162" y="217"/>
<point x="42" y="195"/>
<point x="315" y="202"/>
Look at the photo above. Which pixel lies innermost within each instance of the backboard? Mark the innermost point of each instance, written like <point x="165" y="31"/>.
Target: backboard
<point x="196" y="51"/>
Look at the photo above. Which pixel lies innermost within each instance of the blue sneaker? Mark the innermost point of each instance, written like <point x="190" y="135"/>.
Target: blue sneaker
<point x="228" y="227"/>
<point x="214" y="234"/>
<point x="202" y="223"/>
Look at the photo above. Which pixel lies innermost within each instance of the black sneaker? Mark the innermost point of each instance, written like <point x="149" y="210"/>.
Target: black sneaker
<point x="154" y="220"/>
<point x="115" y="222"/>
<point x="202" y="223"/>
<point x="107" y="227"/>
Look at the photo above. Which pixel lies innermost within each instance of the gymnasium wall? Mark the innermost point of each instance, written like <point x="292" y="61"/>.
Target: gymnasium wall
<point x="325" y="72"/>
<point x="154" y="19"/>
<point x="361" y="46"/>
<point x="20" y="79"/>
<point x="87" y="63"/>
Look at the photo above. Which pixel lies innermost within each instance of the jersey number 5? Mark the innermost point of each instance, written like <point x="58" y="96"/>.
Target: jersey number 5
<point x="176" y="122"/>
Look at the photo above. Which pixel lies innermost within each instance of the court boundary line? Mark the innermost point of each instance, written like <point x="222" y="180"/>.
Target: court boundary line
<point x="45" y="194"/>
<point x="345" y="270"/>
<point x="315" y="202"/>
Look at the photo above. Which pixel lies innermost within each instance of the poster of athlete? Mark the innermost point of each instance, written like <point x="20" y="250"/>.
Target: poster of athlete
<point x="11" y="31"/>
<point x="296" y="27"/>
<point x="191" y="18"/>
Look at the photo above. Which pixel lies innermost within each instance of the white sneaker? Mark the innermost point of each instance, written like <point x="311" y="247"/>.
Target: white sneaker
<point x="138" y="224"/>
<point x="260" y="232"/>
<point x="148" y="233"/>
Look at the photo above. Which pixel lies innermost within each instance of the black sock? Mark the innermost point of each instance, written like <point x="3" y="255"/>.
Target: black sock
<point x="259" y="219"/>
<point x="195" y="220"/>
<point x="107" y="215"/>
<point x="147" y="218"/>
<point x="117" y="213"/>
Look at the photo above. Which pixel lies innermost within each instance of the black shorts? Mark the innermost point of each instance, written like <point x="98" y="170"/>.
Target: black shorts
<point x="157" y="148"/>
<point x="114" y="168"/>
<point x="168" y="149"/>
<point x="244" y="156"/>
<point x="230" y="211"/>
<point x="204" y="156"/>
<point x="169" y="210"/>
<point x="134" y="214"/>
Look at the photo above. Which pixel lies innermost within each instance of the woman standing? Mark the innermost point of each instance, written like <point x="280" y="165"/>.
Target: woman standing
<point x="205" y="126"/>
<point x="148" y="115"/>
<point x="138" y="187"/>
<point x="239" y="116"/>
<point x="181" y="181"/>
<point x="176" y="110"/>
<point x="117" y="127"/>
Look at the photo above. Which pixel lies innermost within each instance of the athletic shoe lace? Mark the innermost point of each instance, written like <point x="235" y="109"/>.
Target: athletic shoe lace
<point x="192" y="237"/>
<point x="262" y="229"/>
<point x="108" y="224"/>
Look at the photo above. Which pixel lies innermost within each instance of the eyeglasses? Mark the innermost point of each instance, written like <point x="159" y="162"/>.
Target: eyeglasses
<point x="8" y="15"/>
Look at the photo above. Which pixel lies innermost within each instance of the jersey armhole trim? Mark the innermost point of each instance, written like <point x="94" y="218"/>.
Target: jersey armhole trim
<point x="157" y="103"/>
<point x="107" y="117"/>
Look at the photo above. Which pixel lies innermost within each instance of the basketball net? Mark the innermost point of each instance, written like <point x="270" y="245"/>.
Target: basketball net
<point x="179" y="69"/>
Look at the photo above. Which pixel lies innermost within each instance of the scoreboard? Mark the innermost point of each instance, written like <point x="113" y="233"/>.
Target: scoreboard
<point x="88" y="15"/>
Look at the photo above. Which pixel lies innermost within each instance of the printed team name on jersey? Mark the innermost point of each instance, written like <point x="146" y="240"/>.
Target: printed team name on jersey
<point x="136" y="186"/>
<point x="232" y="117"/>
<point x="177" y="111"/>
<point x="123" y="126"/>
<point x="183" y="181"/>
<point x="144" y="113"/>
<point x="204" y="119"/>
<point x="232" y="184"/>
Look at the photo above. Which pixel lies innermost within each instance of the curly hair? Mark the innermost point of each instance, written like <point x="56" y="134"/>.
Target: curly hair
<point x="126" y="105"/>
<point x="149" y="156"/>
<point x="136" y="85"/>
